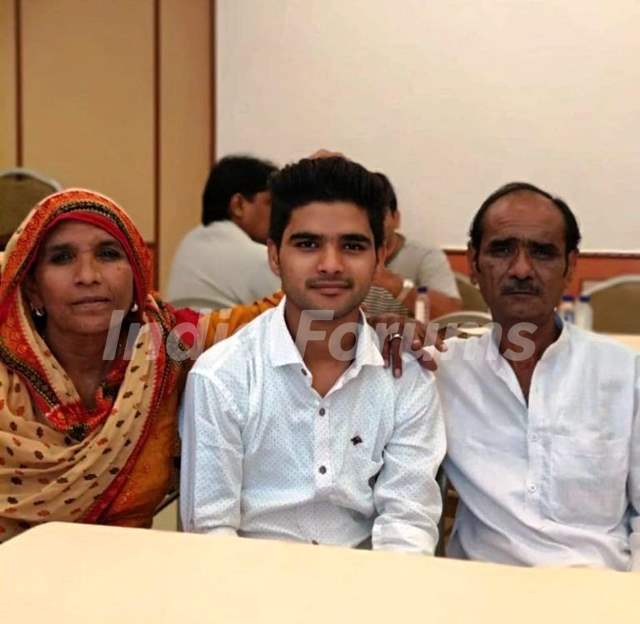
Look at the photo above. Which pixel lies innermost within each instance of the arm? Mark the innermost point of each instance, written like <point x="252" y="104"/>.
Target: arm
<point x="406" y="493"/>
<point x="212" y="453"/>
<point x="440" y="303"/>
<point x="634" y="484"/>
<point x="223" y="323"/>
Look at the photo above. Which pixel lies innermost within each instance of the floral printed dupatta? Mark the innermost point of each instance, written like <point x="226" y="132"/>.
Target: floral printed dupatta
<point x="58" y="459"/>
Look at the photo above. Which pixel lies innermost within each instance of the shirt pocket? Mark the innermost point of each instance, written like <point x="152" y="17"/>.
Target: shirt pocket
<point x="354" y="484"/>
<point x="588" y="480"/>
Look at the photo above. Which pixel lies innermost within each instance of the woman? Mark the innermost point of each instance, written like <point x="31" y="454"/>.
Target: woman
<point x="84" y="438"/>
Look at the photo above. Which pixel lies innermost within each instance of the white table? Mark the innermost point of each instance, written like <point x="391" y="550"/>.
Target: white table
<point x="64" y="573"/>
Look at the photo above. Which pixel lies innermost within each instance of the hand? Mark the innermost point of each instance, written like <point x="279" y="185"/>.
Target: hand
<point x="396" y="332"/>
<point x="325" y="153"/>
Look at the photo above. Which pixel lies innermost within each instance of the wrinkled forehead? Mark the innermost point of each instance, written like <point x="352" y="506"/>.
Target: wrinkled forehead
<point x="526" y="217"/>
<point x="75" y="233"/>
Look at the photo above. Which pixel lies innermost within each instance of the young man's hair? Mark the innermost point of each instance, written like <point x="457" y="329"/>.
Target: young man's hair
<point x="230" y="175"/>
<point x="391" y="200"/>
<point x="572" y="234"/>
<point x="328" y="180"/>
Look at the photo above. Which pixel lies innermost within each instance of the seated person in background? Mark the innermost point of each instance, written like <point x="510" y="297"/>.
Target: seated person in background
<point x="223" y="261"/>
<point x="543" y="419"/>
<point x="292" y="428"/>
<point x="410" y="264"/>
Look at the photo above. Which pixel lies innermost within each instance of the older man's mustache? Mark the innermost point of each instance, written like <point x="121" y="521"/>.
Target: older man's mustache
<point x="520" y="288"/>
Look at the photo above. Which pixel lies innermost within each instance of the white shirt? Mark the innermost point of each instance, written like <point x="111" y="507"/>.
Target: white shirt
<point x="219" y="266"/>
<point x="554" y="482"/>
<point x="264" y="455"/>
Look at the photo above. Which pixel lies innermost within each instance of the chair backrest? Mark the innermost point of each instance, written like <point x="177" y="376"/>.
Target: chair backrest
<point x="20" y="191"/>
<point x="616" y="305"/>
<point x="471" y="296"/>
<point x="464" y="323"/>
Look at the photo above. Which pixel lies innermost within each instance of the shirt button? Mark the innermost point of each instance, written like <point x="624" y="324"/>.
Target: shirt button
<point x="322" y="411"/>
<point x="322" y="469"/>
<point x="533" y="437"/>
<point x="532" y="488"/>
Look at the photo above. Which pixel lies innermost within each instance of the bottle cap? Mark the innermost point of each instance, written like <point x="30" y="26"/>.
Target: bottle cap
<point x="568" y="298"/>
<point x="585" y="298"/>
<point x="422" y="290"/>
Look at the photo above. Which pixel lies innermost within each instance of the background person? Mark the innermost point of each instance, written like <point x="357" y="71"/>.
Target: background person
<point x="223" y="261"/>
<point x="408" y="265"/>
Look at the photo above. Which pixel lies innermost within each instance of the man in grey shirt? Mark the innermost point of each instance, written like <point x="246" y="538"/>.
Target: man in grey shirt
<point x="410" y="264"/>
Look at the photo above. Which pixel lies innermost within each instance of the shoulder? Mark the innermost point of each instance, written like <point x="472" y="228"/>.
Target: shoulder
<point x="588" y="342"/>
<point x="229" y="358"/>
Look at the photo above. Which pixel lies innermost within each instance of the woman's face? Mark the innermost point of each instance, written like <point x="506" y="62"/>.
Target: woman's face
<point x="81" y="276"/>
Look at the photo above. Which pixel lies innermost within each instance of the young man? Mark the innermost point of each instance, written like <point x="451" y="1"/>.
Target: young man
<point x="543" y="423"/>
<point x="292" y="428"/>
<point x="222" y="262"/>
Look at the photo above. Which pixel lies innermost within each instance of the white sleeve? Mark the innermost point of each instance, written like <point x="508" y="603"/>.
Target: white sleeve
<point x="212" y="453"/>
<point x="406" y="494"/>
<point x="634" y="483"/>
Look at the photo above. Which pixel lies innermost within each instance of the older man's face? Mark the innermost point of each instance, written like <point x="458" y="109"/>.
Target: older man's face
<point x="521" y="266"/>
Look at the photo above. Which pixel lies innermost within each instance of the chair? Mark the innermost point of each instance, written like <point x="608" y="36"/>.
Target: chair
<point x="20" y="191"/>
<point x="449" y="507"/>
<point x="471" y="296"/>
<point x="616" y="304"/>
<point x="465" y="323"/>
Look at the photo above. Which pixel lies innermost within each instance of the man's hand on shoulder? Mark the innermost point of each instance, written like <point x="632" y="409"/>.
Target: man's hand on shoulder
<point x="399" y="334"/>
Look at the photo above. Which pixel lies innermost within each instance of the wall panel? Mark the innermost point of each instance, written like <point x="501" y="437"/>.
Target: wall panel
<point x="185" y="119"/>
<point x="7" y="84"/>
<point x="88" y="98"/>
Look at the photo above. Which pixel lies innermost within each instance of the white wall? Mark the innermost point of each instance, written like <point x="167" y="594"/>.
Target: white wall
<point x="450" y="98"/>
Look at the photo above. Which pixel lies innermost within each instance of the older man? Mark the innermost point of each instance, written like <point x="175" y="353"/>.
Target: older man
<point x="542" y="419"/>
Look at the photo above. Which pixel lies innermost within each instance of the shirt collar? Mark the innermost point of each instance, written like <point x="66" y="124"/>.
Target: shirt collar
<point x="494" y="355"/>
<point x="283" y="350"/>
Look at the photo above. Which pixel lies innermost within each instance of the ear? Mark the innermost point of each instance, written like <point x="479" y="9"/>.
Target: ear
<point x="472" y="259"/>
<point x="31" y="292"/>
<point x="397" y="220"/>
<point x="571" y="266"/>
<point x="236" y="207"/>
<point x="274" y="257"/>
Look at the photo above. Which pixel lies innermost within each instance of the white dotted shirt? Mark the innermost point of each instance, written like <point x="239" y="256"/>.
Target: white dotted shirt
<point x="264" y="455"/>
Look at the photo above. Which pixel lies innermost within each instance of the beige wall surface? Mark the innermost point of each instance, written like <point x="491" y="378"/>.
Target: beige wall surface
<point x="88" y="98"/>
<point x="451" y="99"/>
<point x="117" y="97"/>
<point x="7" y="85"/>
<point x="185" y="120"/>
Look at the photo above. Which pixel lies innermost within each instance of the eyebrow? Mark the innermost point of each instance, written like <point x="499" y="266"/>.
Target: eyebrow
<point x="51" y="248"/>
<point x="350" y="237"/>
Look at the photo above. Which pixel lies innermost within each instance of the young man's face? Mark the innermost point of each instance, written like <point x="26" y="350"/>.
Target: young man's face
<point x="327" y="258"/>
<point x="522" y="266"/>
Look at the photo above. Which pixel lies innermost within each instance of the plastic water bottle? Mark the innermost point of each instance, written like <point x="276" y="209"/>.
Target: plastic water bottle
<point x="584" y="313"/>
<point x="422" y="307"/>
<point x="567" y="309"/>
